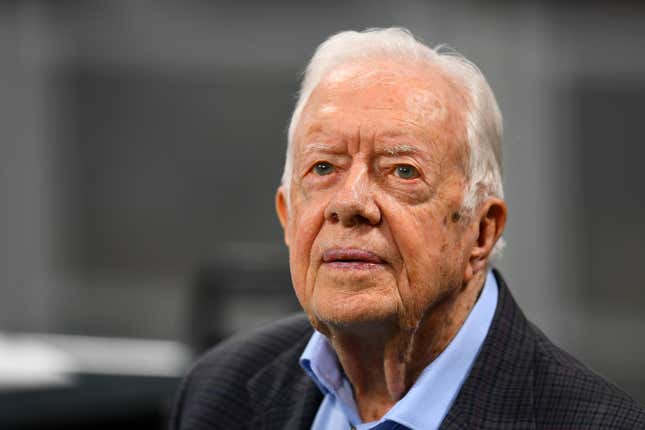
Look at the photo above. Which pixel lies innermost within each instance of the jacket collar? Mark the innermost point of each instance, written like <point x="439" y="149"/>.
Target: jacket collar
<point x="499" y="389"/>
<point x="281" y="394"/>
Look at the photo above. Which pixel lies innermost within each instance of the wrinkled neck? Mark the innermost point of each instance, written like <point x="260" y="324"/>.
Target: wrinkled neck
<point x="382" y="361"/>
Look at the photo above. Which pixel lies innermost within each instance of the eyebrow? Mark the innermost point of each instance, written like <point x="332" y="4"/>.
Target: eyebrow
<point x="390" y="150"/>
<point x="396" y="150"/>
<point x="317" y="147"/>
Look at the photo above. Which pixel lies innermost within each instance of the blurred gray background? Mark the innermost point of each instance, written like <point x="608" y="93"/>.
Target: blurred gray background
<point x="141" y="144"/>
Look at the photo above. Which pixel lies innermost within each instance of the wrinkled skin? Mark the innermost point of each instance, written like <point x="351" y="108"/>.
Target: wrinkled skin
<point x="379" y="170"/>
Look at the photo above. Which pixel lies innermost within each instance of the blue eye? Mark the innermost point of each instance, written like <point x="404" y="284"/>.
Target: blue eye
<point x="323" y="168"/>
<point x="405" y="171"/>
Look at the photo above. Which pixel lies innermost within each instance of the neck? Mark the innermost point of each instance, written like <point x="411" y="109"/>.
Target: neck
<point x="382" y="361"/>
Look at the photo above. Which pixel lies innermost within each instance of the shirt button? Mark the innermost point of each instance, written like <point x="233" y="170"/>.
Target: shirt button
<point x="352" y="427"/>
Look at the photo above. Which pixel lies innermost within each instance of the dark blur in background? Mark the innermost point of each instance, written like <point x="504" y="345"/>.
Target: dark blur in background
<point x="141" y="144"/>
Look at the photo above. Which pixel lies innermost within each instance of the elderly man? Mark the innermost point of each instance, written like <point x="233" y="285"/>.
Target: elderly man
<point x="392" y="206"/>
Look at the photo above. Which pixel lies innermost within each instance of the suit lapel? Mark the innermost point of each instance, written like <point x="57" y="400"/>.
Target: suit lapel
<point x="282" y="395"/>
<point x="498" y="391"/>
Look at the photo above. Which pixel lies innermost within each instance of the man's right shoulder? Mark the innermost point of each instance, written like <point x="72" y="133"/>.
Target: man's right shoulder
<point x="252" y="348"/>
<point x="215" y="388"/>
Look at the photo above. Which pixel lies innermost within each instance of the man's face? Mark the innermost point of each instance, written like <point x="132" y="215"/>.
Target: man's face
<point x="375" y="231"/>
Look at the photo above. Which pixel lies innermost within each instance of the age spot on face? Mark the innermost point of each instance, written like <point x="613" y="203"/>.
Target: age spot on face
<point x="428" y="106"/>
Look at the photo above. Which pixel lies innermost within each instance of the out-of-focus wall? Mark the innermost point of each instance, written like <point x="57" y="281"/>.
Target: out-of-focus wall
<point x="29" y="287"/>
<point x="140" y="141"/>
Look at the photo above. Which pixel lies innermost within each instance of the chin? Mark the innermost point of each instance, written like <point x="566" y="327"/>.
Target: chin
<point x="345" y="311"/>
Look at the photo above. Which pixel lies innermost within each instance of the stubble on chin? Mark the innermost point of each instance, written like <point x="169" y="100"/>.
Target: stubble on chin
<point x="359" y="313"/>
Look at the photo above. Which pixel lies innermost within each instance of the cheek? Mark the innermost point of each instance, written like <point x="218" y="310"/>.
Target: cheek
<point x="423" y="242"/>
<point x="305" y="225"/>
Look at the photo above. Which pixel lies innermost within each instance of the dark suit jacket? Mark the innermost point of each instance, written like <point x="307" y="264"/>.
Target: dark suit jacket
<point x="519" y="380"/>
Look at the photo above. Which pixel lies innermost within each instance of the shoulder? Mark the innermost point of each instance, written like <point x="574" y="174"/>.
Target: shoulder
<point x="251" y="349"/>
<point x="215" y="388"/>
<point x="568" y="393"/>
<point x="520" y="376"/>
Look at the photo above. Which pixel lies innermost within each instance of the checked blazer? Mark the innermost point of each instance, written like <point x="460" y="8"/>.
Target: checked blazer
<point x="519" y="380"/>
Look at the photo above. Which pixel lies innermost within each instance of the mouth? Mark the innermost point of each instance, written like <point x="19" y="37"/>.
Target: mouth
<point x="351" y="258"/>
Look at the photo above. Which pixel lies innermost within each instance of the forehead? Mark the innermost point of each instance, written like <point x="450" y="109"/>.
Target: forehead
<point x="386" y="97"/>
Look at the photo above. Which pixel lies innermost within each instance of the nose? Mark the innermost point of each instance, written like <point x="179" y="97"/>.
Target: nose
<point x="353" y="204"/>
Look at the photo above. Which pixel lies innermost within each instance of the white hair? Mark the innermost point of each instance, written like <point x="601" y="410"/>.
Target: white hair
<point x="483" y="119"/>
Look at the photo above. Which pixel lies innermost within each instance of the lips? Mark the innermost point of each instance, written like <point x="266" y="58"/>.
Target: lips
<point x="350" y="255"/>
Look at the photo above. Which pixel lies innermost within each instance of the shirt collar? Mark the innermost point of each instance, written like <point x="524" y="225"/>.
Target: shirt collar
<point x="430" y="397"/>
<point x="320" y="362"/>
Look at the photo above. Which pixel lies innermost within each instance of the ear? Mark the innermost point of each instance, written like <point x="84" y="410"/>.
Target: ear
<point x="489" y="223"/>
<point x="282" y="210"/>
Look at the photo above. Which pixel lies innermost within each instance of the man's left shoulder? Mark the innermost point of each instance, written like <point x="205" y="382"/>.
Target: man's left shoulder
<point x="521" y="379"/>
<point x="568" y="392"/>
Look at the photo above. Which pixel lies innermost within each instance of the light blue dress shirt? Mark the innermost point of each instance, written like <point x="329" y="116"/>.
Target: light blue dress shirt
<point x="427" y="402"/>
